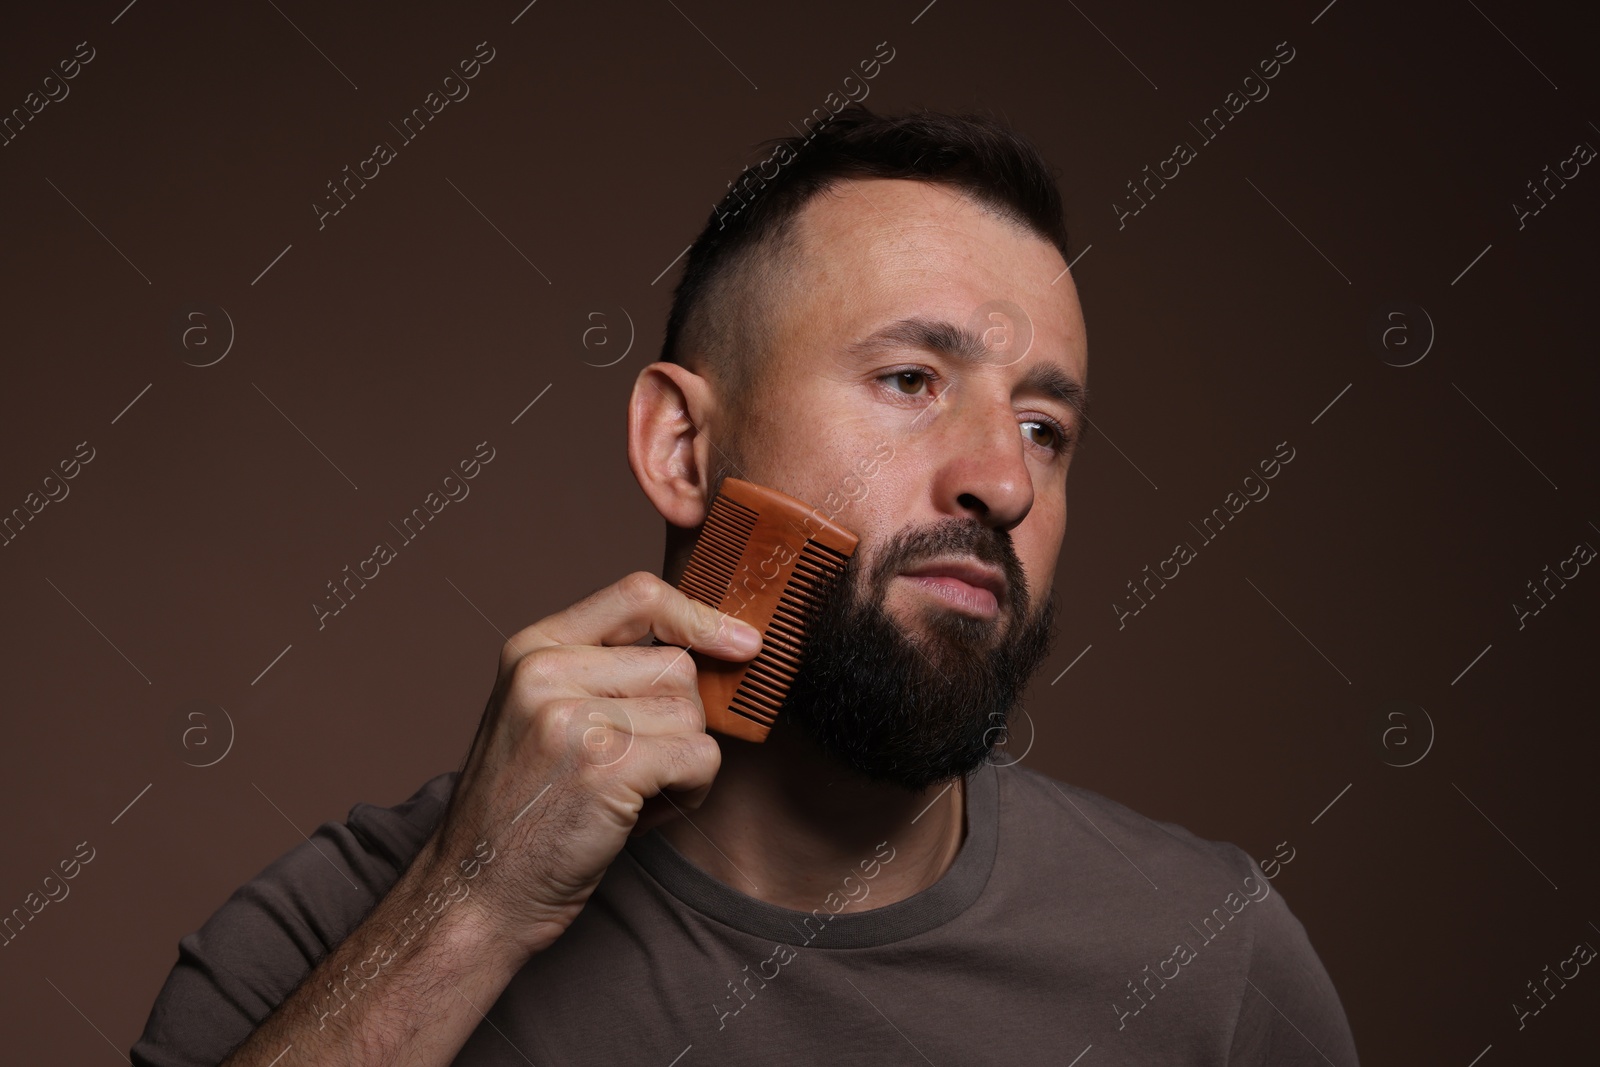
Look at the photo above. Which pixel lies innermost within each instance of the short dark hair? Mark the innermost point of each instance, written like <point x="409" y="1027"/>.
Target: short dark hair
<point x="717" y="305"/>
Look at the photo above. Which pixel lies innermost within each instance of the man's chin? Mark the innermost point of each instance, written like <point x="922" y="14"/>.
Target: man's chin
<point x="876" y="768"/>
<point x="905" y="688"/>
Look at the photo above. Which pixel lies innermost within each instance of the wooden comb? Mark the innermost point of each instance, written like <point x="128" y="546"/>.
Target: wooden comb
<point x="768" y="560"/>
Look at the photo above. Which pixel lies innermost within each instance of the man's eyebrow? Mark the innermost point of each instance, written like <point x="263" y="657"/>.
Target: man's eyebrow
<point x="966" y="346"/>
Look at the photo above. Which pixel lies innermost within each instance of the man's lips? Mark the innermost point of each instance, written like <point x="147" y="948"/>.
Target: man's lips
<point x="968" y="584"/>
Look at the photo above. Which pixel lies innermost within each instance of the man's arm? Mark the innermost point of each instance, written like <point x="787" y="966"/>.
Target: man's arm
<point x="406" y="987"/>
<point x="583" y="731"/>
<point x="263" y="942"/>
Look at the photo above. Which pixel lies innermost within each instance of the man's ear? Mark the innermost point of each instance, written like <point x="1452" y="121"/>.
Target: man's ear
<point x="670" y="413"/>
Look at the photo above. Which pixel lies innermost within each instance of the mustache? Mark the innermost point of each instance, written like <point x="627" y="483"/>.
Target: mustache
<point x="951" y="537"/>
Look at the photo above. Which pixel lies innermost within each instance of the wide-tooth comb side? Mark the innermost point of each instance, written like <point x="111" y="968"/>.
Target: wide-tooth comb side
<point x="769" y="560"/>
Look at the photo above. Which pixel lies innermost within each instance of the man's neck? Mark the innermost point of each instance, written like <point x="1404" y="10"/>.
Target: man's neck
<point x="786" y="825"/>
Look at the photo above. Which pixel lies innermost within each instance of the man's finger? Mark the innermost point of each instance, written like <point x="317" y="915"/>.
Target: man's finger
<point x="627" y="670"/>
<point x="640" y="604"/>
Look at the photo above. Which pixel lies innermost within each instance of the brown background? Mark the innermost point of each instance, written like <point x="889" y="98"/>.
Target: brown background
<point x="408" y="330"/>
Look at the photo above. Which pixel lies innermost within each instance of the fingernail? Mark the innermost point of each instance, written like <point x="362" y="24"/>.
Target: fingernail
<point x="744" y="638"/>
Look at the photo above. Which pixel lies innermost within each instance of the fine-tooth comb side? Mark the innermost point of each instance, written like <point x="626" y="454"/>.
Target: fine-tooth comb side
<point x="769" y="560"/>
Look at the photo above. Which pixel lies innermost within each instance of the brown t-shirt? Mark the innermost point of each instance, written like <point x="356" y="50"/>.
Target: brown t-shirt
<point x="1068" y="930"/>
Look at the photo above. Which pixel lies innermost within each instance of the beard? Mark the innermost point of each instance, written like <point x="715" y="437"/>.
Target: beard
<point x="916" y="710"/>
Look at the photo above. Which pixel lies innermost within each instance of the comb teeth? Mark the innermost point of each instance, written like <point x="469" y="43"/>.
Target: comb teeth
<point x="766" y="683"/>
<point x="717" y="553"/>
<point x="771" y="560"/>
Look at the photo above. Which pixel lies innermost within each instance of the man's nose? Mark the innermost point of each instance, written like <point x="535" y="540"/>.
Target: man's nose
<point x="982" y="472"/>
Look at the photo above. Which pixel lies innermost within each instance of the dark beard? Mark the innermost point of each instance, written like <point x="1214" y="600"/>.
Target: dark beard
<point x="908" y="709"/>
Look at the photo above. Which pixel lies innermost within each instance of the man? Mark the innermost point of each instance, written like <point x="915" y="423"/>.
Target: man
<point x="878" y="321"/>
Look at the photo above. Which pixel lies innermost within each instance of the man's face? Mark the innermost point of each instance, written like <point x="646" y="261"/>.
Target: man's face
<point x="950" y="464"/>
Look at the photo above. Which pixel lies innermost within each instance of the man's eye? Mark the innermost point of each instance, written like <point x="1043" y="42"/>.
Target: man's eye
<point x="1044" y="429"/>
<point x="911" y="378"/>
<point x="1054" y="437"/>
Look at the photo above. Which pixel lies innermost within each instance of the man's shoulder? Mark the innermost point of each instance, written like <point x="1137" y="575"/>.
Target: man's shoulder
<point x="1100" y="853"/>
<point x="1045" y="807"/>
<point x="323" y="887"/>
<point x="397" y="832"/>
<point x="366" y="851"/>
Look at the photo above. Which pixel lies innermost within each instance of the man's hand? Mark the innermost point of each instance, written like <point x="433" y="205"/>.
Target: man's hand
<point x="583" y="727"/>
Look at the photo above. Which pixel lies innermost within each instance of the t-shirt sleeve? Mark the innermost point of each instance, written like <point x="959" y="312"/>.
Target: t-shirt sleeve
<point x="1290" y="1014"/>
<point x="260" y="944"/>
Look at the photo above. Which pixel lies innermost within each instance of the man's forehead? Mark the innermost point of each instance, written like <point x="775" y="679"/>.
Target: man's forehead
<point x="873" y="196"/>
<point x="887" y="215"/>
<point x="878" y="252"/>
